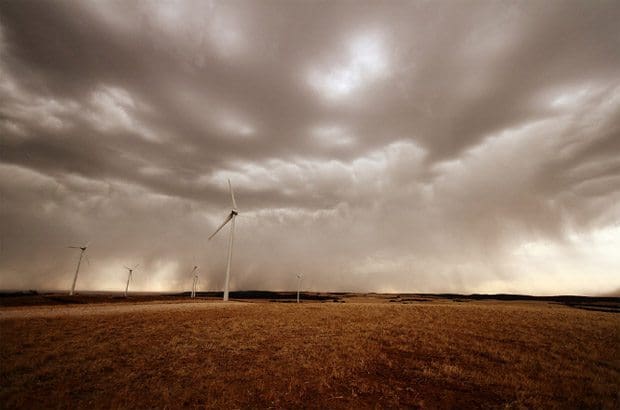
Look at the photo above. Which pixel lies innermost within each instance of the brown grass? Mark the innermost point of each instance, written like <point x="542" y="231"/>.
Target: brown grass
<point x="429" y="355"/>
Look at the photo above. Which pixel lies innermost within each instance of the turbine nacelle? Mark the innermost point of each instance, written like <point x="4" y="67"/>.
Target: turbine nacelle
<point x="233" y="212"/>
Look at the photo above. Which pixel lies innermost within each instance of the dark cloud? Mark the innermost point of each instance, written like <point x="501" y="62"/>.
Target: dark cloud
<point x="422" y="146"/>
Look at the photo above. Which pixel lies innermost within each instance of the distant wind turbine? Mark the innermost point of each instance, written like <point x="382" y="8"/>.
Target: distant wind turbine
<point x="77" y="269"/>
<point x="231" y="217"/>
<point x="299" y="278"/>
<point x="195" y="272"/>
<point x="129" y="275"/>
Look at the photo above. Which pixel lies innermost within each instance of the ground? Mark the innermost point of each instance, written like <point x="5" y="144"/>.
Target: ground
<point x="365" y="353"/>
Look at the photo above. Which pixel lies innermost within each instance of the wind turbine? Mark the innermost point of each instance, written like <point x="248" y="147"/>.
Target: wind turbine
<point x="130" y="273"/>
<point x="195" y="272"/>
<point x="299" y="277"/>
<point x="231" y="217"/>
<point x="77" y="270"/>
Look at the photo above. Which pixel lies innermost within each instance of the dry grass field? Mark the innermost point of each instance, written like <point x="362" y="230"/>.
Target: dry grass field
<point x="437" y="354"/>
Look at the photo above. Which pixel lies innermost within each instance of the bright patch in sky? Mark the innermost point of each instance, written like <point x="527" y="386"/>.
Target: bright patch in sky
<point x="365" y="60"/>
<point x="570" y="98"/>
<point x="585" y="261"/>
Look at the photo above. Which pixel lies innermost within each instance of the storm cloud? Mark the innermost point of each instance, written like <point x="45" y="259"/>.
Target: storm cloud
<point x="374" y="146"/>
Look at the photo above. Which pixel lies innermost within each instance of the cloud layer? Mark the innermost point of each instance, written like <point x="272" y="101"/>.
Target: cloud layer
<point x="396" y="146"/>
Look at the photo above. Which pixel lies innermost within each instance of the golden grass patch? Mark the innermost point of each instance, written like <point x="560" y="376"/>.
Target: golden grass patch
<point x="316" y="355"/>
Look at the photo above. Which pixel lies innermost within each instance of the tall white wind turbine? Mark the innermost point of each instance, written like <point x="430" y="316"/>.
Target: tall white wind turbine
<point x="299" y="278"/>
<point x="77" y="269"/>
<point x="129" y="275"/>
<point x="195" y="281"/>
<point x="230" y="218"/>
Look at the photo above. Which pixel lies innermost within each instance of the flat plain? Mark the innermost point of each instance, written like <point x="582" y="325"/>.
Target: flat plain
<point x="364" y="353"/>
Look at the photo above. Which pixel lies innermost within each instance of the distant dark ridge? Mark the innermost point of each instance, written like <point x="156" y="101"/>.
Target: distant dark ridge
<point x="607" y="304"/>
<point x="508" y="297"/>
<point x="265" y="294"/>
<point x="40" y="299"/>
<point x="18" y="293"/>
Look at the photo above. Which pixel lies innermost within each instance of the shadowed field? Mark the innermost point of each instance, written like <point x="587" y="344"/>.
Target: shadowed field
<point x="432" y="354"/>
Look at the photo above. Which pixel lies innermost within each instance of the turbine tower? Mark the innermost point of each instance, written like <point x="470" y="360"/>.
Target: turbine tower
<point x="130" y="273"/>
<point x="299" y="278"/>
<point x="77" y="269"/>
<point x="230" y="218"/>
<point x="195" y="272"/>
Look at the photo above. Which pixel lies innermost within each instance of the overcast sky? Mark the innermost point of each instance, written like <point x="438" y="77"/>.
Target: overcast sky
<point x="419" y="146"/>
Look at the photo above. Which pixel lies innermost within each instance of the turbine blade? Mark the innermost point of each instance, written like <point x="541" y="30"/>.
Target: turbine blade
<point x="232" y="195"/>
<point x="74" y="247"/>
<point x="230" y="215"/>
